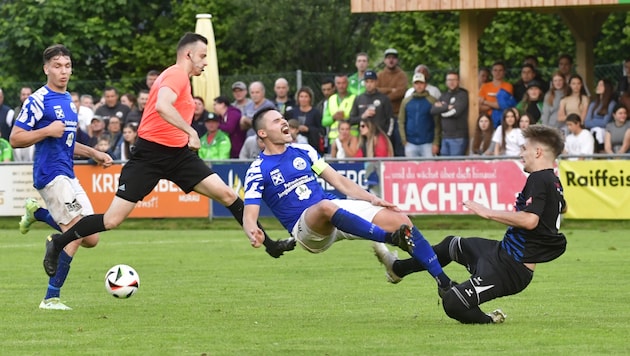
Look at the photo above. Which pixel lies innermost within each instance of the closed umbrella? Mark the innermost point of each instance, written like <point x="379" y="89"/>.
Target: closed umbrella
<point x="207" y="84"/>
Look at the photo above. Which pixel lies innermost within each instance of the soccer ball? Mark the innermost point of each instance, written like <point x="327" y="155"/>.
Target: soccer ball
<point x="122" y="281"/>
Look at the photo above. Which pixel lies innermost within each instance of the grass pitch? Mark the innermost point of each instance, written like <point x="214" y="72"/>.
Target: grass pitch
<point x="208" y="292"/>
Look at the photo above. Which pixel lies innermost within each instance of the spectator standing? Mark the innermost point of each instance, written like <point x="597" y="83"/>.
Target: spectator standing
<point x="565" y="66"/>
<point x="310" y="119"/>
<point x="575" y="100"/>
<point x="483" y="77"/>
<point x="229" y="122"/>
<point x="551" y="102"/>
<point x="373" y="105"/>
<point x="392" y="81"/>
<point x="617" y="139"/>
<point x="528" y="74"/>
<point x="624" y="82"/>
<point x="150" y="78"/>
<point x="129" y="137"/>
<point x="6" y="117"/>
<point x="25" y="154"/>
<point x="283" y="101"/>
<point x="96" y="130"/>
<point x="328" y="89"/>
<point x="135" y="115"/>
<point x="420" y="129"/>
<point x="508" y="138"/>
<point x="129" y="100"/>
<point x="482" y="140"/>
<point x="200" y="116"/>
<point x="112" y="107"/>
<point x="257" y="94"/>
<point x="239" y="92"/>
<point x="338" y="108"/>
<point x="532" y="102"/>
<point x="579" y="141"/>
<point x="433" y="90"/>
<point x="87" y="101"/>
<point x="215" y="144"/>
<point x="114" y="130"/>
<point x="491" y="92"/>
<point x="599" y="112"/>
<point x="452" y="108"/>
<point x="356" y="82"/>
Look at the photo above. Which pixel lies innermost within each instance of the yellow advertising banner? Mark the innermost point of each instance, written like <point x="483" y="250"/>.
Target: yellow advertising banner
<point x="596" y="189"/>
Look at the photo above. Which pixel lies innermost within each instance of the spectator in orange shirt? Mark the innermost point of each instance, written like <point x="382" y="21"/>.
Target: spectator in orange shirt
<point x="489" y="91"/>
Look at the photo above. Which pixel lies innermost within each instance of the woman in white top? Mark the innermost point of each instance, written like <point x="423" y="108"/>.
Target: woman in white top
<point x="346" y="145"/>
<point x="508" y="138"/>
<point x="579" y="141"/>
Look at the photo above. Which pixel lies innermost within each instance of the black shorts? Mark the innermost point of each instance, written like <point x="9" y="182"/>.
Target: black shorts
<point x="494" y="273"/>
<point x="151" y="162"/>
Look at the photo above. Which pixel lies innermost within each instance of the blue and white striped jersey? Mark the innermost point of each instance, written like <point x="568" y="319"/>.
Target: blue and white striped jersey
<point x="53" y="156"/>
<point x="286" y="182"/>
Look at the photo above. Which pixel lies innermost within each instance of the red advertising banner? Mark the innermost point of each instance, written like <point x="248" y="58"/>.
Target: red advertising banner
<point x="441" y="187"/>
<point x="166" y="199"/>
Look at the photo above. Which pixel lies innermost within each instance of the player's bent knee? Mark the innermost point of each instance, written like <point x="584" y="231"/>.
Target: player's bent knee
<point x="90" y="241"/>
<point x="453" y="306"/>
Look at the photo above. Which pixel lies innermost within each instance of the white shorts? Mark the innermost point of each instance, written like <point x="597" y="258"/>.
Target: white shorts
<point x="65" y="199"/>
<point x="316" y="243"/>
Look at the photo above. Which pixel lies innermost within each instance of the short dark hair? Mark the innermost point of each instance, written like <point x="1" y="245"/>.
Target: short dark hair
<point x="54" y="51"/>
<point x="222" y="100"/>
<point x="530" y="66"/>
<point x="546" y="135"/>
<point x="153" y="72"/>
<point x="190" y="38"/>
<point x="328" y="80"/>
<point x="574" y="118"/>
<point x="566" y="56"/>
<point x="110" y="88"/>
<point x="453" y="72"/>
<point x="259" y="114"/>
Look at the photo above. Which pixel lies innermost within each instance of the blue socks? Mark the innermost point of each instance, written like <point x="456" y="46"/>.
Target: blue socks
<point x="42" y="214"/>
<point x="355" y="225"/>
<point x="425" y="254"/>
<point x="56" y="282"/>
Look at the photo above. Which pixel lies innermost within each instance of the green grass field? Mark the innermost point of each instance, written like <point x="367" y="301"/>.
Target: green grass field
<point x="208" y="292"/>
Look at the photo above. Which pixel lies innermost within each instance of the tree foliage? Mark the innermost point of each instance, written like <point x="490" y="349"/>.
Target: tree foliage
<point x="120" y="40"/>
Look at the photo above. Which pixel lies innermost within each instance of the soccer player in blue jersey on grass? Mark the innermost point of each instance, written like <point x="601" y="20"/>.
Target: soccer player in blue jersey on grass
<point x="505" y="267"/>
<point x="49" y="121"/>
<point x="285" y="178"/>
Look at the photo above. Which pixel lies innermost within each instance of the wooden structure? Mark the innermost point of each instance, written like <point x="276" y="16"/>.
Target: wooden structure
<point x="583" y="17"/>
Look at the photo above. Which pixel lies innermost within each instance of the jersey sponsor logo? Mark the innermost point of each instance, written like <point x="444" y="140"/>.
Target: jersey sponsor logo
<point x="299" y="163"/>
<point x="303" y="192"/>
<point x="276" y="177"/>
<point x="59" y="112"/>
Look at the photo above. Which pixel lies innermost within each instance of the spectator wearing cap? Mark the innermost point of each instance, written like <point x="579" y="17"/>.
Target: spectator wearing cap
<point x="532" y="102"/>
<point x="239" y="92"/>
<point x="432" y="89"/>
<point x="229" y="122"/>
<point x="528" y="73"/>
<point x="96" y="130"/>
<point x="392" y="81"/>
<point x="452" y="109"/>
<point x="374" y="106"/>
<point x="420" y="130"/>
<point x="200" y="115"/>
<point x="215" y="144"/>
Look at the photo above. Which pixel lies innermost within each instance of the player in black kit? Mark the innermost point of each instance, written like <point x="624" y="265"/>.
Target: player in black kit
<point x="501" y="268"/>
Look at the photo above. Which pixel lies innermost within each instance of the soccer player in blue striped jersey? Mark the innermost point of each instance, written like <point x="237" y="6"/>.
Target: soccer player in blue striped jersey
<point x="48" y="120"/>
<point x="504" y="267"/>
<point x="285" y="178"/>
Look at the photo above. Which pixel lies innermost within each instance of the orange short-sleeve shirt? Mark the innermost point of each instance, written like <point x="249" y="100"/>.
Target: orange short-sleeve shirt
<point x="152" y="126"/>
<point x="488" y="91"/>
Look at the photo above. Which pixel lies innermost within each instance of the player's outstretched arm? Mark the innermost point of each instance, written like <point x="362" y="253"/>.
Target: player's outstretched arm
<point x="520" y="219"/>
<point x="250" y="225"/>
<point x="99" y="157"/>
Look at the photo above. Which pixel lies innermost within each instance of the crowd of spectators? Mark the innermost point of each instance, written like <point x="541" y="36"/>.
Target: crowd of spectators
<point x="375" y="114"/>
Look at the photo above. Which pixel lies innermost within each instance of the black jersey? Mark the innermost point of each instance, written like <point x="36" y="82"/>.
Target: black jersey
<point x="543" y="196"/>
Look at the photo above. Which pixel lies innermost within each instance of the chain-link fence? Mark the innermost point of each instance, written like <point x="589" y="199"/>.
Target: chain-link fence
<point x="296" y="79"/>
